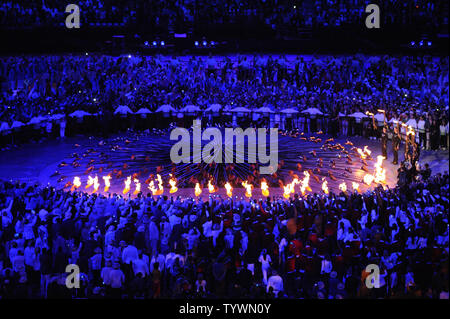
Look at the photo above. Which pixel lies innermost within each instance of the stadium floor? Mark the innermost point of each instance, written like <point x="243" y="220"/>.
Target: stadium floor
<point x="143" y="153"/>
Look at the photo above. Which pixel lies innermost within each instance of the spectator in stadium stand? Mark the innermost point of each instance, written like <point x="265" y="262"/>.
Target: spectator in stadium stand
<point x="321" y="257"/>
<point x="350" y="85"/>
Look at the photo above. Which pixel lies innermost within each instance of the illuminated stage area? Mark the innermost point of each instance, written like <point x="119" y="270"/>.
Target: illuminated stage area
<point x="308" y="164"/>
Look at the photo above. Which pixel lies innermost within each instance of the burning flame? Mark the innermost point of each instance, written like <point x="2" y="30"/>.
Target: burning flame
<point x="76" y="183"/>
<point x="229" y="189"/>
<point x="198" y="190"/>
<point x="248" y="189"/>
<point x="90" y="182"/>
<point x="410" y="130"/>
<point x="380" y="172"/>
<point x="173" y="185"/>
<point x="290" y="188"/>
<point x="138" y="186"/>
<point x="287" y="191"/>
<point x="160" y="185"/>
<point x="294" y="182"/>
<point x="152" y="188"/>
<point x="364" y="153"/>
<point x="127" y="185"/>
<point x="107" y="179"/>
<point x="305" y="183"/>
<point x="211" y="187"/>
<point x="343" y="187"/>
<point x="265" y="188"/>
<point x="96" y="184"/>
<point x="368" y="179"/>
<point x="325" y="186"/>
<point x="355" y="186"/>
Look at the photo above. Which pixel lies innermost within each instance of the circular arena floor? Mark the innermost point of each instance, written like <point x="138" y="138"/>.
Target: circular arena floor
<point x="57" y="162"/>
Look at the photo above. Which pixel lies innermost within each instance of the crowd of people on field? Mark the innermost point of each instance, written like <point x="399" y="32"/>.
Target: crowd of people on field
<point x="407" y="88"/>
<point x="316" y="246"/>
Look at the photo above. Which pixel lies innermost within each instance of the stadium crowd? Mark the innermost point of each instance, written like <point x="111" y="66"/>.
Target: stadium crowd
<point x="281" y="16"/>
<point x="406" y="87"/>
<point x="316" y="246"/>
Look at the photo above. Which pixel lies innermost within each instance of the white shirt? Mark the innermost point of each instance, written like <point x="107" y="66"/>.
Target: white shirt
<point x="105" y="275"/>
<point x="116" y="278"/>
<point x="30" y="256"/>
<point x="276" y="282"/>
<point x="326" y="267"/>
<point x="139" y="266"/>
<point x="265" y="262"/>
<point x="160" y="259"/>
<point x="129" y="254"/>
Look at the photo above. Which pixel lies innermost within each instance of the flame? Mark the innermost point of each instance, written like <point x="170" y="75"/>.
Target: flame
<point x="265" y="188"/>
<point x="364" y="153"/>
<point x="198" y="190"/>
<point x="107" y="179"/>
<point x="248" y="189"/>
<point x="410" y="130"/>
<point x="287" y="191"/>
<point x="138" y="186"/>
<point x="127" y="185"/>
<point x="368" y="179"/>
<point x="305" y="183"/>
<point x="76" y="183"/>
<point x="343" y="187"/>
<point x="355" y="186"/>
<point x="211" y="187"/>
<point x="294" y="182"/>
<point x="229" y="189"/>
<point x="160" y="185"/>
<point x="152" y="188"/>
<point x="380" y="172"/>
<point x="96" y="184"/>
<point x="290" y="188"/>
<point x="90" y="182"/>
<point x="173" y="184"/>
<point x="325" y="186"/>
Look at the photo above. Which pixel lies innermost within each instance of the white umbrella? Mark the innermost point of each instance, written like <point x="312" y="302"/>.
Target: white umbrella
<point x="190" y="109"/>
<point x="240" y="109"/>
<point x="263" y="109"/>
<point x="312" y="111"/>
<point x="289" y="111"/>
<point x="37" y="120"/>
<point x="358" y="115"/>
<point x="342" y="114"/>
<point x="17" y="124"/>
<point x="214" y="108"/>
<point x="166" y="108"/>
<point x="143" y="110"/>
<point x="79" y="114"/>
<point x="123" y="109"/>
<point x="4" y="126"/>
